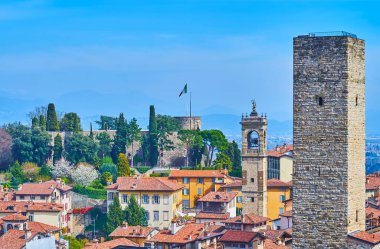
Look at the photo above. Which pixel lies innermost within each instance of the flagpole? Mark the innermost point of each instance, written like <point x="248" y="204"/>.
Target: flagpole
<point x="190" y="110"/>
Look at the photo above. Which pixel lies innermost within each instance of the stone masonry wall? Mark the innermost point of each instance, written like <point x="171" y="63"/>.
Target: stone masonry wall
<point x="328" y="184"/>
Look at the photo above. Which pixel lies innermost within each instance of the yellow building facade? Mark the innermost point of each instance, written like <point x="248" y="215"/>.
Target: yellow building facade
<point x="278" y="193"/>
<point x="197" y="183"/>
<point x="235" y="186"/>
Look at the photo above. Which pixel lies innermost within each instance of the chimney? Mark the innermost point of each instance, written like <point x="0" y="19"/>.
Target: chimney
<point x="58" y="180"/>
<point x="28" y="233"/>
<point x="125" y="224"/>
<point x="189" y="237"/>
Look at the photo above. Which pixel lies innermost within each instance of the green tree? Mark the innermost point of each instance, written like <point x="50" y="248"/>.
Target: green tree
<point x="17" y="174"/>
<point x="22" y="148"/>
<point x="215" y="141"/>
<point x="40" y="141"/>
<point x="45" y="172"/>
<point x="104" y="141"/>
<point x="233" y="152"/>
<point x="42" y="121"/>
<point x="106" y="123"/>
<point x="111" y="168"/>
<point x="133" y="134"/>
<point x="31" y="170"/>
<point x="123" y="168"/>
<point x="35" y="123"/>
<point x="79" y="148"/>
<point x="106" y="178"/>
<point x="145" y="149"/>
<point x="58" y="148"/>
<point x="192" y="139"/>
<point x="51" y="119"/>
<point x="115" y="216"/>
<point x="222" y="161"/>
<point x="91" y="135"/>
<point x="166" y="125"/>
<point x="120" y="139"/>
<point x="134" y="214"/>
<point x="153" y="137"/>
<point x="70" y="122"/>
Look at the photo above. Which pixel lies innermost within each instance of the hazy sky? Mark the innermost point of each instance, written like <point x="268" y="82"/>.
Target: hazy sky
<point x="104" y="57"/>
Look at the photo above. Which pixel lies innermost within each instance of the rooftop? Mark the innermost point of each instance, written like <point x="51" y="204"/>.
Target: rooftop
<point x="42" y="188"/>
<point x="283" y="150"/>
<point x="116" y="243"/>
<point x="249" y="219"/>
<point x="330" y="33"/>
<point x="198" y="173"/>
<point x="212" y="216"/>
<point x="239" y="236"/>
<point x="131" y="231"/>
<point x="24" y="206"/>
<point x="277" y="183"/>
<point x="218" y="197"/>
<point x="145" y="184"/>
<point x="366" y="237"/>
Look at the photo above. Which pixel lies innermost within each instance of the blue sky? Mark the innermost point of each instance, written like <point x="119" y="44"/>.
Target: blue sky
<point x="105" y="57"/>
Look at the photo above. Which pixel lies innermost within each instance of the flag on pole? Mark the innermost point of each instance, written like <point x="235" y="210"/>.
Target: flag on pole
<point x="184" y="91"/>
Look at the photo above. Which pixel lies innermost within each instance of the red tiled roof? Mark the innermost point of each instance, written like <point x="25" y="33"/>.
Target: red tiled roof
<point x="275" y="235"/>
<point x="287" y="213"/>
<point x="198" y="173"/>
<point x="145" y="184"/>
<point x="238" y="236"/>
<point x="24" y="206"/>
<point x="278" y="183"/>
<point x="111" y="244"/>
<point x="372" y="181"/>
<point x="269" y="244"/>
<point x="367" y="237"/>
<point x="370" y="210"/>
<point x="43" y="188"/>
<point x="15" y="217"/>
<point x="189" y="233"/>
<point x="38" y="227"/>
<point x="132" y="231"/>
<point x="218" y="197"/>
<point x="6" y="195"/>
<point x="279" y="151"/>
<point x="248" y="219"/>
<point x="13" y="239"/>
<point x="216" y="216"/>
<point x="234" y="184"/>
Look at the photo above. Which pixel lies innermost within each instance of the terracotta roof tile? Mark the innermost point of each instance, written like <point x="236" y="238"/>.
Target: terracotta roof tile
<point x="198" y="173"/>
<point x="236" y="183"/>
<point x="15" y="217"/>
<point x="279" y="151"/>
<point x="275" y="235"/>
<point x="145" y="184"/>
<point x="13" y="239"/>
<point x="238" y="236"/>
<point x="367" y="237"/>
<point x="39" y="227"/>
<point x="216" y="216"/>
<point x="132" y="231"/>
<point x="269" y="244"/>
<point x="218" y="197"/>
<point x="188" y="233"/>
<point x="111" y="244"/>
<point x="6" y="195"/>
<point x="287" y="213"/>
<point x="43" y="188"/>
<point x="278" y="183"/>
<point x="24" y="206"/>
<point x="248" y="219"/>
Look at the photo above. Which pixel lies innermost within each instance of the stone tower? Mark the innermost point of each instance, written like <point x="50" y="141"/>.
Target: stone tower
<point x="254" y="162"/>
<point x="329" y="146"/>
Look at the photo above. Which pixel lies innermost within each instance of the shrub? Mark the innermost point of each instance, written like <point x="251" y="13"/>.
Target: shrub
<point x="109" y="167"/>
<point x="91" y="192"/>
<point x="142" y="169"/>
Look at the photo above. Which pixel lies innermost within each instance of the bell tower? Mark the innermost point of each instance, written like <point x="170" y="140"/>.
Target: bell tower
<point x="254" y="162"/>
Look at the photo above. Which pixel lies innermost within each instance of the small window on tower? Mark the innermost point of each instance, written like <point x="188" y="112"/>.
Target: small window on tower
<point x="357" y="215"/>
<point x="320" y="101"/>
<point x="356" y="100"/>
<point x="252" y="179"/>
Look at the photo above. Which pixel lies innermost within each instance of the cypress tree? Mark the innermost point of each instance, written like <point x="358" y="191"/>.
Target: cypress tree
<point x="58" y="148"/>
<point x="134" y="214"/>
<point x="153" y="137"/>
<point x="115" y="216"/>
<point x="91" y="132"/>
<point x="35" y="123"/>
<point x="120" y="139"/>
<point x="123" y="168"/>
<point x="51" y="120"/>
<point x="42" y="121"/>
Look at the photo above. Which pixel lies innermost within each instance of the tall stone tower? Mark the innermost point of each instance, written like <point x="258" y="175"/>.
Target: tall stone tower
<point x="329" y="146"/>
<point x="254" y="162"/>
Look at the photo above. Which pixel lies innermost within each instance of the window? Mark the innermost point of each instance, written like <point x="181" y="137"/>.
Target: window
<point x="282" y="198"/>
<point x="125" y="198"/>
<point x="228" y="189"/>
<point x="356" y="100"/>
<point x="252" y="199"/>
<point x="31" y="216"/>
<point x="110" y="196"/>
<point x="42" y="197"/>
<point x="213" y="180"/>
<point x="21" y="197"/>
<point x="239" y="199"/>
<point x="200" y="180"/>
<point x="357" y="216"/>
<point x="199" y="191"/>
<point x="145" y="199"/>
<point x="186" y="203"/>
<point x="320" y="100"/>
<point x="147" y="215"/>
<point x="156" y="199"/>
<point x="166" y="215"/>
<point x="185" y="191"/>
<point x="185" y="180"/>
<point x="252" y="179"/>
<point x="166" y="199"/>
<point x="281" y="210"/>
<point x="32" y="197"/>
<point x="156" y="215"/>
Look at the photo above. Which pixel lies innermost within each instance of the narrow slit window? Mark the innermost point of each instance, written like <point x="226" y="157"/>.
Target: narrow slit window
<point x="320" y="101"/>
<point x="356" y="100"/>
<point x="357" y="216"/>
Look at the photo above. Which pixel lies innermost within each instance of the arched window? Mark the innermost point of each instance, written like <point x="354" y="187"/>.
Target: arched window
<point x="9" y="227"/>
<point x="253" y="140"/>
